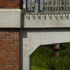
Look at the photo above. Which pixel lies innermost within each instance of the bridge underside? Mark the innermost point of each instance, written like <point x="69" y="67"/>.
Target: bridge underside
<point x="33" y="38"/>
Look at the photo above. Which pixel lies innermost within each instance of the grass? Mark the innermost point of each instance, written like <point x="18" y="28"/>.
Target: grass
<point x="42" y="58"/>
<point x="37" y="68"/>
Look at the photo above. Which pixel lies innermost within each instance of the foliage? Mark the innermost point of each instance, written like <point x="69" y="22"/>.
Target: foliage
<point x="42" y="58"/>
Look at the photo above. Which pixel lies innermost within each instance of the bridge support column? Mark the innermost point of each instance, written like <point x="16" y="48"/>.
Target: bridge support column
<point x="33" y="38"/>
<point x="26" y="62"/>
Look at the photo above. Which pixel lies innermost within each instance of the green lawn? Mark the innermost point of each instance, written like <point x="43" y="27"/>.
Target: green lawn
<point x="37" y="68"/>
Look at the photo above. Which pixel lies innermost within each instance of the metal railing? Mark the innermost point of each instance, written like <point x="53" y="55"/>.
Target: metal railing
<point x="48" y="6"/>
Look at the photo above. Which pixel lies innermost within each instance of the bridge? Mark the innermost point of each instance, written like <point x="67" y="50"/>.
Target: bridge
<point x="45" y="22"/>
<point x="41" y="22"/>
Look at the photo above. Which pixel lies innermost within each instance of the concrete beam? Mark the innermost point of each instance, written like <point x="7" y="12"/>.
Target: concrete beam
<point x="47" y="21"/>
<point x="10" y="18"/>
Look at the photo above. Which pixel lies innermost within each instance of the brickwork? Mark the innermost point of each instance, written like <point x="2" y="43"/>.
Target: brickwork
<point x="9" y="50"/>
<point x="9" y="3"/>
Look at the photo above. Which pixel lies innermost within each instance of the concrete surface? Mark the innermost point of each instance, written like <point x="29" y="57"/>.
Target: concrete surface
<point x="33" y="38"/>
<point x="10" y="18"/>
<point x="47" y="21"/>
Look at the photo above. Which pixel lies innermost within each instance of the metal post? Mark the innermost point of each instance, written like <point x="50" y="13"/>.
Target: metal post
<point x="39" y="5"/>
<point x="64" y="5"/>
<point x="36" y="6"/>
<point x="52" y="5"/>
<point x="58" y="5"/>
<point x="69" y="5"/>
<point x="24" y="6"/>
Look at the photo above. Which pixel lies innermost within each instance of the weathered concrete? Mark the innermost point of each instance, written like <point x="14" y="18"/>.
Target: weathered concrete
<point x="47" y="21"/>
<point x="33" y="38"/>
<point x="10" y="18"/>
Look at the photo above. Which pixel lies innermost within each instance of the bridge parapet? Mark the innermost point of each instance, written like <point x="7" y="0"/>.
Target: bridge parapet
<point x="47" y="6"/>
<point x="47" y="14"/>
<point x="46" y="21"/>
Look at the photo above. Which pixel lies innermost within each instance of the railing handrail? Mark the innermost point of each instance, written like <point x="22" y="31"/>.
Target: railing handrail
<point x="48" y="6"/>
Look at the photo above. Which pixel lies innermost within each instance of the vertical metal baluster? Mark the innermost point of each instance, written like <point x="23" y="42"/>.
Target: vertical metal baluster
<point x="31" y="5"/>
<point x="50" y="6"/>
<point x="28" y="5"/>
<point x="43" y="5"/>
<point x="64" y="5"/>
<point x="60" y="5"/>
<point x="36" y="6"/>
<point x="33" y="2"/>
<point x="47" y="5"/>
<point x="69" y="5"/>
<point x="53" y="6"/>
<point x="40" y="5"/>
<point x="56" y="5"/>
<point x="26" y="2"/>
<point x="25" y="5"/>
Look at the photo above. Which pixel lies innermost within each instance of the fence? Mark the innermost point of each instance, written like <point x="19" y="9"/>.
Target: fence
<point x="48" y="6"/>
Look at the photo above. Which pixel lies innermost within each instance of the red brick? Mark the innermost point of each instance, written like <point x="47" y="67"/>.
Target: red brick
<point x="9" y="3"/>
<point x="9" y="50"/>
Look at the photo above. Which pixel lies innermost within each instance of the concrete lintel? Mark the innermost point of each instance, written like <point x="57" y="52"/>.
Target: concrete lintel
<point x="10" y="18"/>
